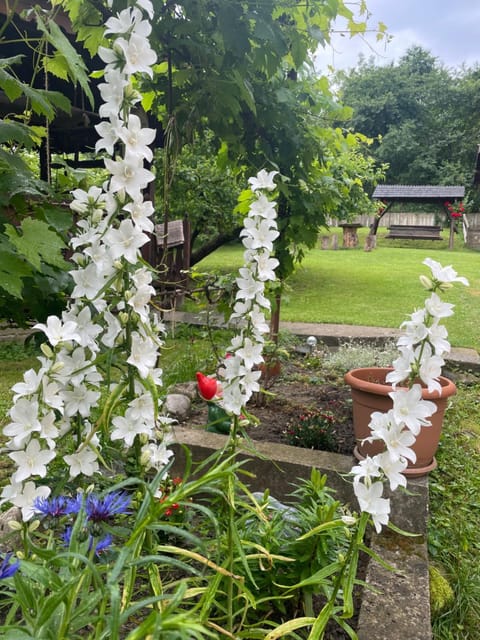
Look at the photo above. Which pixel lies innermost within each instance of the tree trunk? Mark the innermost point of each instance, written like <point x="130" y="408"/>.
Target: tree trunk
<point x="275" y="318"/>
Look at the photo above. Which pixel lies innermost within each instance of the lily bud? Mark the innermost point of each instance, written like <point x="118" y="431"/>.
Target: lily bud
<point x="46" y="350"/>
<point x="15" y="525"/>
<point x="97" y="216"/>
<point x="57" y="367"/>
<point x="33" y="526"/>
<point x="443" y="286"/>
<point x="145" y="458"/>
<point x="426" y="282"/>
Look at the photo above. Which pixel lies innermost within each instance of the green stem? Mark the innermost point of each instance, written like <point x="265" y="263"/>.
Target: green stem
<point x="231" y="480"/>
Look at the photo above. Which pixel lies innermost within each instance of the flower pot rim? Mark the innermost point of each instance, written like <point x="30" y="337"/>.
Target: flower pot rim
<point x="361" y="383"/>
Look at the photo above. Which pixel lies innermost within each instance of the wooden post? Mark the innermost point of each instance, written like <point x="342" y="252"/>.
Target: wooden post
<point x="451" y="238"/>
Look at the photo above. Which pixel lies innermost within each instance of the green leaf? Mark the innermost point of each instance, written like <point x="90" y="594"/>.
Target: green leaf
<point x="18" y="634"/>
<point x="12" y="270"/>
<point x="57" y="66"/>
<point x="16" y="132"/>
<point x="58" y="218"/>
<point x="74" y="65"/>
<point x="37" y="242"/>
<point x="13" y="88"/>
<point x="287" y="627"/>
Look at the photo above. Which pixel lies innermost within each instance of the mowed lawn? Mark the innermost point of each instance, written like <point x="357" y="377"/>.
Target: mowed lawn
<point x="378" y="288"/>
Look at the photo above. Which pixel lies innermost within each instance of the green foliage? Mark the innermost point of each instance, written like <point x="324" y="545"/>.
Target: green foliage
<point x="204" y="191"/>
<point x="355" y="354"/>
<point x="441" y="593"/>
<point x="422" y="115"/>
<point x="454" y="515"/>
<point x="66" y="63"/>
<point x="32" y="265"/>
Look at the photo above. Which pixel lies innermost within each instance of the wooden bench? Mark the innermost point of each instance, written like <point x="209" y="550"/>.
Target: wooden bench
<point x="414" y="232"/>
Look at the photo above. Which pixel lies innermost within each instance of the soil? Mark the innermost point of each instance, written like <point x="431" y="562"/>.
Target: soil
<point x="290" y="395"/>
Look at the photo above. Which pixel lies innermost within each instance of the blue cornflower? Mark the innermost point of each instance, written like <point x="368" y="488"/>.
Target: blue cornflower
<point x="53" y="507"/>
<point x="102" y="545"/>
<point x="74" y="505"/>
<point x="102" y="509"/>
<point x="6" y="569"/>
<point x="67" y="536"/>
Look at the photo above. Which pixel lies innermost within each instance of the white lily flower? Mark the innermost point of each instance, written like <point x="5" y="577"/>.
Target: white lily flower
<point x="137" y="138"/>
<point x="366" y="469"/>
<point x="410" y="410"/>
<point x="437" y="336"/>
<point x="430" y="371"/>
<point x="32" y="461"/>
<point x="138" y="55"/>
<point x="58" y="331"/>
<point x="263" y="180"/>
<point x="156" y="456"/>
<point x="31" y="382"/>
<point x="402" y="367"/>
<point x="129" y="175"/>
<point x="25" y="421"/>
<point x="82" y="462"/>
<point x="126" y="429"/>
<point x="444" y="274"/>
<point x="265" y="266"/>
<point x="140" y="212"/>
<point x="88" y="282"/>
<point x="109" y="131"/>
<point x="393" y="469"/>
<point x="126" y="241"/>
<point x="123" y="22"/>
<point x="371" y="501"/>
<point x="437" y="308"/>
<point x="143" y="354"/>
<point x="263" y="208"/>
<point x="24" y="496"/>
<point x="80" y="399"/>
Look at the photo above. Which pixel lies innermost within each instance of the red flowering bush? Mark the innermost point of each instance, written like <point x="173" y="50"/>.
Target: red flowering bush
<point x="312" y="430"/>
<point x="455" y="210"/>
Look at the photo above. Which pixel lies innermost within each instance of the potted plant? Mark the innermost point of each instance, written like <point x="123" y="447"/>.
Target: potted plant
<point x="407" y="402"/>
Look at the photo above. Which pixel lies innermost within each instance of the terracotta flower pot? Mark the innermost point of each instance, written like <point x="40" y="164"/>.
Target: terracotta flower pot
<point x="370" y="393"/>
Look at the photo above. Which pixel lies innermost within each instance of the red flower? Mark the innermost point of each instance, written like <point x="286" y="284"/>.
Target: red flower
<point x="207" y="386"/>
<point x="455" y="210"/>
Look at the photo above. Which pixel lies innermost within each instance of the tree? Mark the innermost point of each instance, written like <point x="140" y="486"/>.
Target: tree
<point x="240" y="70"/>
<point x="421" y="114"/>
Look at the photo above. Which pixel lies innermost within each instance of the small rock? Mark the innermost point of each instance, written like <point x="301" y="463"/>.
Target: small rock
<point x="178" y="406"/>
<point x="188" y="389"/>
<point x="9" y="540"/>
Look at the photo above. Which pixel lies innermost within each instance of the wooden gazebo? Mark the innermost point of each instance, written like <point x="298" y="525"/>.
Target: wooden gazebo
<point x="437" y="195"/>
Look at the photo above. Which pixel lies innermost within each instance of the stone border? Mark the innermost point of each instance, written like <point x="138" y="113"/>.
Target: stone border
<point x="402" y="608"/>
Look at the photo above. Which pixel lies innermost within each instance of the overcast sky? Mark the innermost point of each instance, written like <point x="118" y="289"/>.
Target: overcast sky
<point x="449" y="29"/>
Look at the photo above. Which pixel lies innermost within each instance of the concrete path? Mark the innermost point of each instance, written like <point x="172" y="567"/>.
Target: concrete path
<point x="335" y="334"/>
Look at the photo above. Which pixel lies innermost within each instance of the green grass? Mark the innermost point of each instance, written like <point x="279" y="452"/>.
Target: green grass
<point x="454" y="524"/>
<point x="378" y="288"/>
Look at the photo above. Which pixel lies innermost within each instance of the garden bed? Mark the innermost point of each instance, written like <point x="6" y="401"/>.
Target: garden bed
<point x="295" y="393"/>
<point x="301" y="389"/>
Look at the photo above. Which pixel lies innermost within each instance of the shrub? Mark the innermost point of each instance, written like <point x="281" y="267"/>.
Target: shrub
<point x="312" y="430"/>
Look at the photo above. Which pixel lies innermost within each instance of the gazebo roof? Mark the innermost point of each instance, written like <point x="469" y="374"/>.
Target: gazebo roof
<point x="421" y="193"/>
